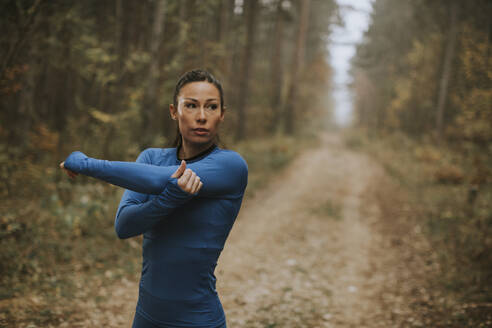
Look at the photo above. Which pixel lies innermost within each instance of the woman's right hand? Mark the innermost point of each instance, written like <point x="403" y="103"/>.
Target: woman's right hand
<point x="71" y="174"/>
<point x="188" y="181"/>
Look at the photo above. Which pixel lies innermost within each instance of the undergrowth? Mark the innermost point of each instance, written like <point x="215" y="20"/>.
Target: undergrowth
<point x="450" y="191"/>
<point x="266" y="157"/>
<point x="56" y="232"/>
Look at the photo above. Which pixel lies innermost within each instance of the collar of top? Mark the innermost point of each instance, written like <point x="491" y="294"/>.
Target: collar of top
<point x="196" y="157"/>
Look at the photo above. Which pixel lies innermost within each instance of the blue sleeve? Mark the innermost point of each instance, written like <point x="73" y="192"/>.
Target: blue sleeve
<point x="137" y="214"/>
<point x="224" y="174"/>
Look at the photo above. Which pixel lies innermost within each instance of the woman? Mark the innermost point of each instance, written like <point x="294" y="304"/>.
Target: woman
<point x="184" y="200"/>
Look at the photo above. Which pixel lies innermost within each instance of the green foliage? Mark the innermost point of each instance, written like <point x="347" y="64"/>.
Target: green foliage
<point x="329" y="209"/>
<point x="354" y="140"/>
<point x="266" y="157"/>
<point x="399" y="71"/>
<point x="398" y="78"/>
<point x="63" y="233"/>
<point x="474" y="121"/>
<point x="77" y="76"/>
<point x="83" y="69"/>
<point x="453" y="205"/>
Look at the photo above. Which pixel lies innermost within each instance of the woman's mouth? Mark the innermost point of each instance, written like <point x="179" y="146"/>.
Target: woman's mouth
<point x="201" y="131"/>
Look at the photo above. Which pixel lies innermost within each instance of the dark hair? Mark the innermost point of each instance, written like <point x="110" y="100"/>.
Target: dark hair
<point x="195" y="75"/>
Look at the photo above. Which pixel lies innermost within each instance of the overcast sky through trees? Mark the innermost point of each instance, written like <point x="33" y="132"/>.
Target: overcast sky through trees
<point x="356" y="20"/>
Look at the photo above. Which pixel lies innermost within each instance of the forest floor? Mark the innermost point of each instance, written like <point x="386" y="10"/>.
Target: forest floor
<point x="315" y="248"/>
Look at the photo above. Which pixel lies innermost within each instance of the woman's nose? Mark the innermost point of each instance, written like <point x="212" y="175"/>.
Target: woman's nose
<point x="201" y="114"/>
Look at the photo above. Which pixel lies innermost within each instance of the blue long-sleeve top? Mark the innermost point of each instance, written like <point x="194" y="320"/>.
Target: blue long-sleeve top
<point x="184" y="234"/>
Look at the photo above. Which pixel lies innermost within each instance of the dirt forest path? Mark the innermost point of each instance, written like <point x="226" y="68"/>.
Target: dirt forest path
<point x="303" y="252"/>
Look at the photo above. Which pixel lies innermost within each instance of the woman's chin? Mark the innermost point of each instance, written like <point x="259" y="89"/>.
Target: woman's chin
<point x="199" y="140"/>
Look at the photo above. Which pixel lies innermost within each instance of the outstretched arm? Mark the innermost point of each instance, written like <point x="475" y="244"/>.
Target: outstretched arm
<point x="137" y="214"/>
<point x="223" y="175"/>
<point x="137" y="176"/>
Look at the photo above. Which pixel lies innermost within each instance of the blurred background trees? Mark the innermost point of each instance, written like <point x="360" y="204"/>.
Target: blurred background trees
<point x="102" y="73"/>
<point x="98" y="76"/>
<point x="425" y="69"/>
<point x="423" y="88"/>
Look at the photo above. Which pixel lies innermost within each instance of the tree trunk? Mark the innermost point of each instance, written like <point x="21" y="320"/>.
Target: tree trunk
<point x="22" y="37"/>
<point x="118" y="35"/>
<point x="231" y="53"/>
<point x="222" y="22"/>
<point x="187" y="38"/>
<point x="489" y="39"/>
<point x="447" y="66"/>
<point x="297" y="62"/>
<point x="277" y="66"/>
<point x="150" y="103"/>
<point x="246" y="67"/>
<point x="221" y="36"/>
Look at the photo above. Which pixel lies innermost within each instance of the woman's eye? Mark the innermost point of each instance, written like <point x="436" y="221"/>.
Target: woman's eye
<point x="213" y="106"/>
<point x="190" y="105"/>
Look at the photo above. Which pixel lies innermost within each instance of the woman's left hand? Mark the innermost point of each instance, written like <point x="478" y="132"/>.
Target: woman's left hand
<point x="71" y="174"/>
<point x="188" y="181"/>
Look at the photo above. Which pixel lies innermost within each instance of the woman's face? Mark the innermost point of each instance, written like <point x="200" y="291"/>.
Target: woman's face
<point x="198" y="112"/>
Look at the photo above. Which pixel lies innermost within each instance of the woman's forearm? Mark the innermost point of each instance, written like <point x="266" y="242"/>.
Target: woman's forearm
<point x="143" y="178"/>
<point x="135" y="218"/>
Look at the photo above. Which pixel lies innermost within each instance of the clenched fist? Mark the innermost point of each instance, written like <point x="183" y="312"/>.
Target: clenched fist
<point x="71" y="174"/>
<point x="188" y="181"/>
